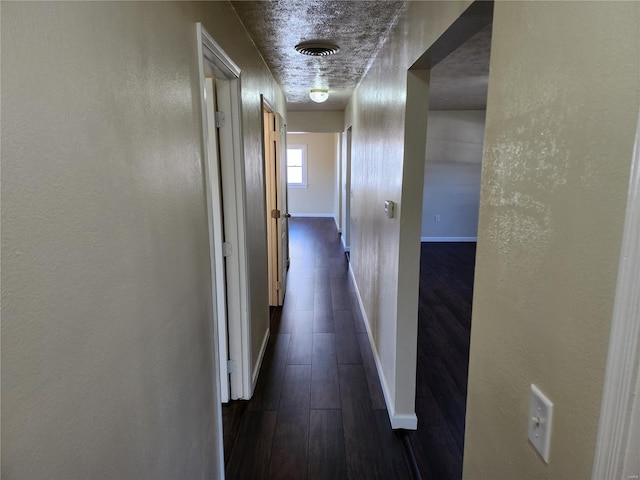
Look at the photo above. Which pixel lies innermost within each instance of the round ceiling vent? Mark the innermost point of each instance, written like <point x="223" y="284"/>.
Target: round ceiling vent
<point x="317" y="48"/>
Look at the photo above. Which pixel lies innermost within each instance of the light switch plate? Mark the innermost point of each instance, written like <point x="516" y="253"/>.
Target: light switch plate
<point x="539" y="427"/>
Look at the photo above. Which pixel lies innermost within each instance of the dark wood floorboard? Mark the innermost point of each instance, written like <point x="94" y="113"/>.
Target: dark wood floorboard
<point x="325" y="385"/>
<point x="437" y="454"/>
<point x="326" y="446"/>
<point x="318" y="411"/>
<point x="358" y="321"/>
<point x="254" y="441"/>
<point x="323" y="323"/>
<point x="291" y="439"/>
<point x="371" y="373"/>
<point x="300" y="349"/>
<point x="303" y="321"/>
<point x="361" y="440"/>
<point x="444" y="323"/>
<point x="267" y="392"/>
<point x="348" y="349"/>
<point x="392" y="458"/>
<point x="232" y="414"/>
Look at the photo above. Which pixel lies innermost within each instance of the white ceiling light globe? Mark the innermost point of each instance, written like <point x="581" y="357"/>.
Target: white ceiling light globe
<point x="319" y="95"/>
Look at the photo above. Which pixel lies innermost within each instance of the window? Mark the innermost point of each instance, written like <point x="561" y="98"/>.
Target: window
<point x="297" y="166"/>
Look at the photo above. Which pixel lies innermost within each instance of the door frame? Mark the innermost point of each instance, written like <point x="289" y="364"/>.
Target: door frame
<point x="346" y="188"/>
<point x="615" y="442"/>
<point x="215" y="216"/>
<point x="283" y="226"/>
<point x="211" y="58"/>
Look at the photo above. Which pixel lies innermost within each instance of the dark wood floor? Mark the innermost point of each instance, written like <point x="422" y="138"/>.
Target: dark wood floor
<point x="318" y="411"/>
<point x="446" y="293"/>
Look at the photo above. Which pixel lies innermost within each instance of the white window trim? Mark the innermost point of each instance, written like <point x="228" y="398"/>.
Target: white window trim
<point x="304" y="183"/>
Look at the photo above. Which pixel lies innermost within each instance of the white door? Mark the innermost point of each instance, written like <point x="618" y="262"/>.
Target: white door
<point x="216" y="233"/>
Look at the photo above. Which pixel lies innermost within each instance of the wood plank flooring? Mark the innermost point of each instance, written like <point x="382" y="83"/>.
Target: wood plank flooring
<point x="318" y="411"/>
<point x="444" y="325"/>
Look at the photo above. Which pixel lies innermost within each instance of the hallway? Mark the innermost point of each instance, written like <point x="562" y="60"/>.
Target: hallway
<point x="318" y="410"/>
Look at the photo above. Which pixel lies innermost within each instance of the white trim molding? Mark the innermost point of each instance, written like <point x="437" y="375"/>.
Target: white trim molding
<point x="214" y="53"/>
<point x="344" y="246"/>
<point x="613" y="449"/>
<point x="398" y="420"/>
<point x="448" y="239"/>
<point x="256" y="368"/>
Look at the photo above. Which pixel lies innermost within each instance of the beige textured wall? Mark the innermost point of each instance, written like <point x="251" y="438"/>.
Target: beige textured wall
<point x="377" y="114"/>
<point x="321" y="121"/>
<point x="318" y="198"/>
<point x="106" y="339"/>
<point x="564" y="93"/>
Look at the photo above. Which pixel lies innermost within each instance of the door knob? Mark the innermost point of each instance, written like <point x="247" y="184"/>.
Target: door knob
<point x="287" y="215"/>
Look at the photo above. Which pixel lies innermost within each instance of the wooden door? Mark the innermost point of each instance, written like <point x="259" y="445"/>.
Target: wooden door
<point x="276" y="202"/>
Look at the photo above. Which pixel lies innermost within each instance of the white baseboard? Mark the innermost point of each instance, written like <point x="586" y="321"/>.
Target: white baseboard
<point x="448" y="239"/>
<point x="407" y="421"/>
<point x="335" y="219"/>
<point x="256" y="368"/>
<point x="346" y="249"/>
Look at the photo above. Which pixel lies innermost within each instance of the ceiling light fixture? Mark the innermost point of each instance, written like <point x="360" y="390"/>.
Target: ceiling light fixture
<point x="317" y="48"/>
<point x="319" y="95"/>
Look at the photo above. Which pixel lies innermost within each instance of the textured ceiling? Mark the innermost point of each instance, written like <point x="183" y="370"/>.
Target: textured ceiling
<point x="359" y="28"/>
<point x="459" y="82"/>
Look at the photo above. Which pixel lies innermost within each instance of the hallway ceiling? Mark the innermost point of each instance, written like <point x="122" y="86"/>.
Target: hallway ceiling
<point x="359" y="28"/>
<point x="459" y="82"/>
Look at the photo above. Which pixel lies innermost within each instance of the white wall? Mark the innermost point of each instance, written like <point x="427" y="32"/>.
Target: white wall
<point x="452" y="175"/>
<point x="318" y="198"/>
<point x="106" y="292"/>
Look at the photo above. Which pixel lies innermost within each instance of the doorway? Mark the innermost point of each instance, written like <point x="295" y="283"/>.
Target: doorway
<point x="223" y="154"/>
<point x="453" y="132"/>
<point x="275" y="148"/>
<point x="224" y="186"/>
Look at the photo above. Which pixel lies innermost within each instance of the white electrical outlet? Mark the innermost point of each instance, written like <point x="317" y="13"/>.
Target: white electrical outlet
<point x="436" y="218"/>
<point x="539" y="427"/>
